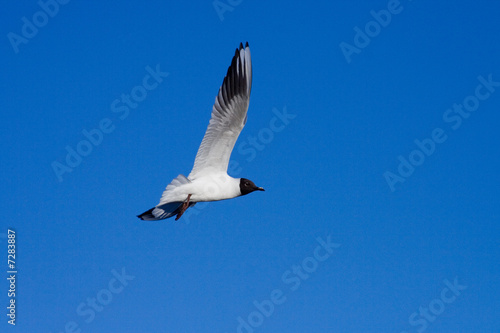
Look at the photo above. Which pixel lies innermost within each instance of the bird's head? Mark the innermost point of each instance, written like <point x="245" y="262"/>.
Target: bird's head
<point x="247" y="186"/>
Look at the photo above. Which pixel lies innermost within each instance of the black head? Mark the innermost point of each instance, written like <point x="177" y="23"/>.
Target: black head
<point x="247" y="186"/>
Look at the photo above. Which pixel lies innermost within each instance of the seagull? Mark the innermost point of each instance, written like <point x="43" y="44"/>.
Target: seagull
<point x="208" y="180"/>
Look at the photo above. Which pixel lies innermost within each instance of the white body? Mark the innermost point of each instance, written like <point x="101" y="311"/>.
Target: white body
<point x="212" y="187"/>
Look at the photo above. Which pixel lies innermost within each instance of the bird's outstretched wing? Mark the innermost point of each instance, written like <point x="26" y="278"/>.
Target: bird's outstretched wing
<point x="229" y="115"/>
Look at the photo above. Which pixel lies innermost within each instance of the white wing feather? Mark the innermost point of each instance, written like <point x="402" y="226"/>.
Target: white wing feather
<point x="229" y="115"/>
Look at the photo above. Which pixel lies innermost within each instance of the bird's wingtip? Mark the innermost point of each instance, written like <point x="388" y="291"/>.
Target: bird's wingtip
<point x="242" y="47"/>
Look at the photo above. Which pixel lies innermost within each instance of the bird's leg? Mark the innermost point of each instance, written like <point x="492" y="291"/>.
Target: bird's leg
<point x="185" y="205"/>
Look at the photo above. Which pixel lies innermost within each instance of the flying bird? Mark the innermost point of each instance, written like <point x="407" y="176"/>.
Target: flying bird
<point x="208" y="180"/>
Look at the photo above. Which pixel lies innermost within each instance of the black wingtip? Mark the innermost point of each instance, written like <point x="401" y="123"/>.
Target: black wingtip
<point x="241" y="47"/>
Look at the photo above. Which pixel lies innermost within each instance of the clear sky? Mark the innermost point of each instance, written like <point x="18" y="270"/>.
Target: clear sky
<point x="373" y="127"/>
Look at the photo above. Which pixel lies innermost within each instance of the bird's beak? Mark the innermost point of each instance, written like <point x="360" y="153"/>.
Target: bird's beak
<point x="260" y="189"/>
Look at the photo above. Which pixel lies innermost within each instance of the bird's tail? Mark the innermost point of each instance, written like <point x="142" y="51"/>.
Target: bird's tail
<point x="166" y="209"/>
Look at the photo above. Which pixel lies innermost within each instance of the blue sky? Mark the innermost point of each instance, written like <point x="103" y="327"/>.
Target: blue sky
<point x="373" y="127"/>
